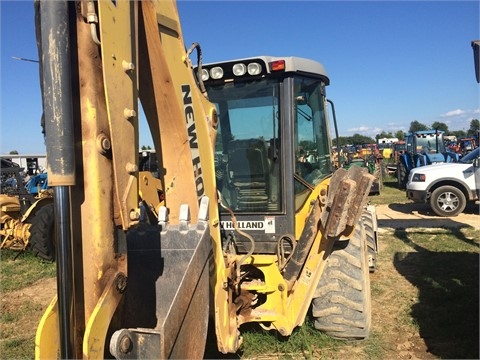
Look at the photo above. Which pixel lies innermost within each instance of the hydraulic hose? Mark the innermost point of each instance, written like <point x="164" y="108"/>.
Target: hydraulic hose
<point x="252" y="241"/>
<point x="199" y="66"/>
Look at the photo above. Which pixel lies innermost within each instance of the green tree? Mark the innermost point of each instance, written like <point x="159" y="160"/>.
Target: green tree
<point x="458" y="133"/>
<point x="440" y="126"/>
<point x="307" y="145"/>
<point x="342" y="140"/>
<point x="13" y="152"/>
<point x="358" y="139"/>
<point x="384" y="134"/>
<point x="417" y="126"/>
<point x="400" y="135"/>
<point x="474" y="127"/>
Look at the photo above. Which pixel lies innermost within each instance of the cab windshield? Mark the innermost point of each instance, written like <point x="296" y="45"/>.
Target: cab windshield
<point x="247" y="162"/>
<point x="430" y="144"/>
<point x="250" y="150"/>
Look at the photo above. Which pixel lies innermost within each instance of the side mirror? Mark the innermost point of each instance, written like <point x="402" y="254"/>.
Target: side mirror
<point x="476" y="162"/>
<point x="476" y="58"/>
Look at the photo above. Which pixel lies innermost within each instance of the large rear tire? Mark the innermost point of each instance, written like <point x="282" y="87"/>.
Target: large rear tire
<point x="342" y="302"/>
<point x="41" y="233"/>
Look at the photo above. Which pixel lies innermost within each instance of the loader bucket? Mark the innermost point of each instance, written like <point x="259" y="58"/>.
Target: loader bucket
<point x="166" y="302"/>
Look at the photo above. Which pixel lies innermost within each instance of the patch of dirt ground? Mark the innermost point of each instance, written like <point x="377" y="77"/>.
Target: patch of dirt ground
<point x="42" y="292"/>
<point x="21" y="310"/>
<point x="419" y="215"/>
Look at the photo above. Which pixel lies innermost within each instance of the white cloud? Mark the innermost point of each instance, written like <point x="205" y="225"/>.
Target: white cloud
<point x="462" y="113"/>
<point x="457" y="112"/>
<point x="459" y="119"/>
<point x="362" y="128"/>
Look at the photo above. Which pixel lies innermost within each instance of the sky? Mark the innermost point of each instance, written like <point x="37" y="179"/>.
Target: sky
<point x="389" y="62"/>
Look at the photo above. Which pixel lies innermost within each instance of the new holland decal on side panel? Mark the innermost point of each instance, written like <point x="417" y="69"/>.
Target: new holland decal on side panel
<point x="267" y="225"/>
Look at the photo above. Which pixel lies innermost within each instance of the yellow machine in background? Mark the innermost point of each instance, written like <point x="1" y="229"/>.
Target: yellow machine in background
<point x="245" y="220"/>
<point x="26" y="211"/>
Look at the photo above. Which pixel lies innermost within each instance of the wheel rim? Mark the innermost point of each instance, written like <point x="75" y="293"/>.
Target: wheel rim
<point x="448" y="201"/>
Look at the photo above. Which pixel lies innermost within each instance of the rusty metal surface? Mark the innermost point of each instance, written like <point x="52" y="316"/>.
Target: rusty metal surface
<point x="364" y="181"/>
<point x="341" y="205"/>
<point x="347" y="195"/>
<point x="119" y="63"/>
<point x="303" y="247"/>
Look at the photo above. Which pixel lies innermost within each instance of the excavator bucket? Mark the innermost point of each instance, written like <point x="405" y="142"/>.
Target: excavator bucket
<point x="167" y="294"/>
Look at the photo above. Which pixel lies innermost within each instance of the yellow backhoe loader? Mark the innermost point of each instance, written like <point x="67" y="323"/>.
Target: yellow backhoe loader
<point x="245" y="219"/>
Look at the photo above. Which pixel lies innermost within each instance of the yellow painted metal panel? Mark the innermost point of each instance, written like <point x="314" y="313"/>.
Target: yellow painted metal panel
<point x="47" y="341"/>
<point x="119" y="57"/>
<point x="97" y="326"/>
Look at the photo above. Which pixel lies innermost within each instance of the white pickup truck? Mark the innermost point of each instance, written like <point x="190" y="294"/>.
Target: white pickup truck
<point x="447" y="186"/>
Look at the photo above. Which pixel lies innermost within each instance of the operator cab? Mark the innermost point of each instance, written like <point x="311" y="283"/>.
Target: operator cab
<point x="273" y="143"/>
<point x="428" y="147"/>
<point x="429" y="142"/>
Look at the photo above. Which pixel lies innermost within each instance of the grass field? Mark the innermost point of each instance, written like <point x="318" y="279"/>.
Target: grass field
<point x="20" y="308"/>
<point x="424" y="298"/>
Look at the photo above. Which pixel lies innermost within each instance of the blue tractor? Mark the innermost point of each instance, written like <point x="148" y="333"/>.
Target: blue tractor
<point x="36" y="183"/>
<point x="422" y="148"/>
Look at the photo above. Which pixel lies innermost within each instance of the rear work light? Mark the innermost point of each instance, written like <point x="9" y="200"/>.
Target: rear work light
<point x="277" y="65"/>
